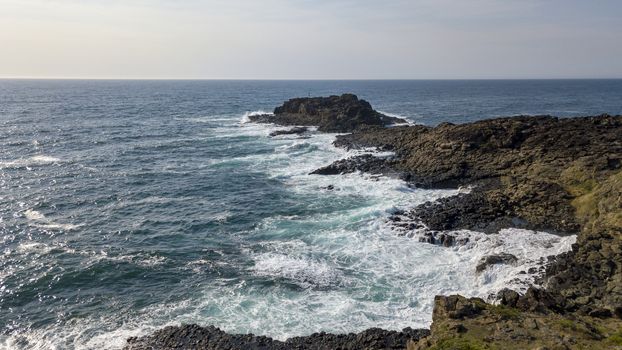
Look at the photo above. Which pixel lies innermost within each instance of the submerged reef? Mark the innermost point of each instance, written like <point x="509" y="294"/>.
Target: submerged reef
<point x="560" y="175"/>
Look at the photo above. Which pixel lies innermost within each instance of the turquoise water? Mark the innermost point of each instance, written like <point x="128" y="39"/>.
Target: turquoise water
<point x="130" y="205"/>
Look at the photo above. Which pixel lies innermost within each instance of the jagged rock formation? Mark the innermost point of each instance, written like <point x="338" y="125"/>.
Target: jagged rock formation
<point x="561" y="175"/>
<point x="523" y="166"/>
<point x="343" y="113"/>
<point x="212" y="338"/>
<point x="489" y="260"/>
<point x="365" y="163"/>
<point x="293" y="131"/>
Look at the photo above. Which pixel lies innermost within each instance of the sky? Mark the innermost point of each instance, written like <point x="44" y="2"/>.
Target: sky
<point x="311" y="39"/>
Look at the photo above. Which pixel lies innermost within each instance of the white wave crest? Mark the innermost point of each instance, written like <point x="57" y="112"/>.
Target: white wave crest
<point x="408" y="119"/>
<point x="38" y="160"/>
<point x="246" y="117"/>
<point x="37" y="219"/>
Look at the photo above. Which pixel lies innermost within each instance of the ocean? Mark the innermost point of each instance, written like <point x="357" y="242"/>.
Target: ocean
<point x="127" y="206"/>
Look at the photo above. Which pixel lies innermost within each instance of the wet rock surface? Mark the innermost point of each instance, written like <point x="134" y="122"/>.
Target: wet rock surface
<point x="298" y="130"/>
<point x="343" y="113"/>
<point x="489" y="260"/>
<point x="208" y="338"/>
<point x="365" y="163"/>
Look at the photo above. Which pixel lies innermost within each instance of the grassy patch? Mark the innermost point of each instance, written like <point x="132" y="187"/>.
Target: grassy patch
<point x="568" y="324"/>
<point x="505" y="312"/>
<point x="615" y="338"/>
<point x="459" y="344"/>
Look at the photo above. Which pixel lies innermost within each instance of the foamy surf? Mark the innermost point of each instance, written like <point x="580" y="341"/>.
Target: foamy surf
<point x="37" y="219"/>
<point x="304" y="271"/>
<point x="409" y="119"/>
<point x="246" y="117"/>
<point x="38" y="160"/>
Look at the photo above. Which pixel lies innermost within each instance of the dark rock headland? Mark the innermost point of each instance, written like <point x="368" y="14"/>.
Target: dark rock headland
<point x="561" y="175"/>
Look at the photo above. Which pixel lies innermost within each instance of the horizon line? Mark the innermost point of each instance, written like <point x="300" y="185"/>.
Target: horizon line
<point x="296" y="79"/>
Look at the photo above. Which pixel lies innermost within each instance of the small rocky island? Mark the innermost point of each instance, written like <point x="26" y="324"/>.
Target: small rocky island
<point x="344" y="113"/>
<point x="560" y="175"/>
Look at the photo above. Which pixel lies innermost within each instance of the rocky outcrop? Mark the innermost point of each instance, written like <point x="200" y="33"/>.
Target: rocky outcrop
<point x="541" y="173"/>
<point x="212" y="338"/>
<point x="524" y="169"/>
<point x="365" y="163"/>
<point x="343" y="113"/>
<point x="461" y="323"/>
<point x="494" y="259"/>
<point x="293" y="131"/>
<point x="590" y="276"/>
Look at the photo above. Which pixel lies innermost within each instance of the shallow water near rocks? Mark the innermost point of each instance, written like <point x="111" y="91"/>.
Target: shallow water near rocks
<point x="128" y="206"/>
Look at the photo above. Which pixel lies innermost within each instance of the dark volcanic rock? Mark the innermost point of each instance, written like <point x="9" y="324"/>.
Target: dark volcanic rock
<point x="212" y="338"/>
<point x="463" y="154"/>
<point x="365" y="163"/>
<point x="457" y="307"/>
<point x="562" y="175"/>
<point x="492" y="210"/>
<point x="446" y="239"/>
<point x="508" y="297"/>
<point x="489" y="260"/>
<point x="523" y="168"/>
<point x="330" y="114"/>
<point x="293" y="131"/>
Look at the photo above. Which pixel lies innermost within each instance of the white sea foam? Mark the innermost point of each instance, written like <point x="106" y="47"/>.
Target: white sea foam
<point x="33" y="248"/>
<point x="39" y="220"/>
<point x="246" y="117"/>
<point x="38" y="160"/>
<point x="220" y="119"/>
<point x="409" y="119"/>
<point x="302" y="270"/>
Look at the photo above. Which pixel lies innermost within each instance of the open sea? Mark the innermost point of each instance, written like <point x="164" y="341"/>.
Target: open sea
<point x="127" y="206"/>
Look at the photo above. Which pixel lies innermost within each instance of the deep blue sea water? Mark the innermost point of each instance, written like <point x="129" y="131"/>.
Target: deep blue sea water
<point x="126" y="206"/>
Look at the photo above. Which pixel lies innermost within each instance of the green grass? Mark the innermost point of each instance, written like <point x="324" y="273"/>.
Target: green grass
<point x="567" y="324"/>
<point x="458" y="344"/>
<point x="615" y="338"/>
<point x="505" y="312"/>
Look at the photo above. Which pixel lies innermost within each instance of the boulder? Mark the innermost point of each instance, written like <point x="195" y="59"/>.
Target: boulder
<point x="494" y="259"/>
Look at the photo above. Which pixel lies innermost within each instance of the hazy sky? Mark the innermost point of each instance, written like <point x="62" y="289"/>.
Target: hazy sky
<point x="311" y="39"/>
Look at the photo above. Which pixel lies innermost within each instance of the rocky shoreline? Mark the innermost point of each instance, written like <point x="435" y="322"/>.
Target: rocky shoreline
<point x="208" y="338"/>
<point x="560" y="175"/>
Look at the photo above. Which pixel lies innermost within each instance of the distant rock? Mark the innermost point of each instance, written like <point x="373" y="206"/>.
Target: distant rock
<point x="343" y="113"/>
